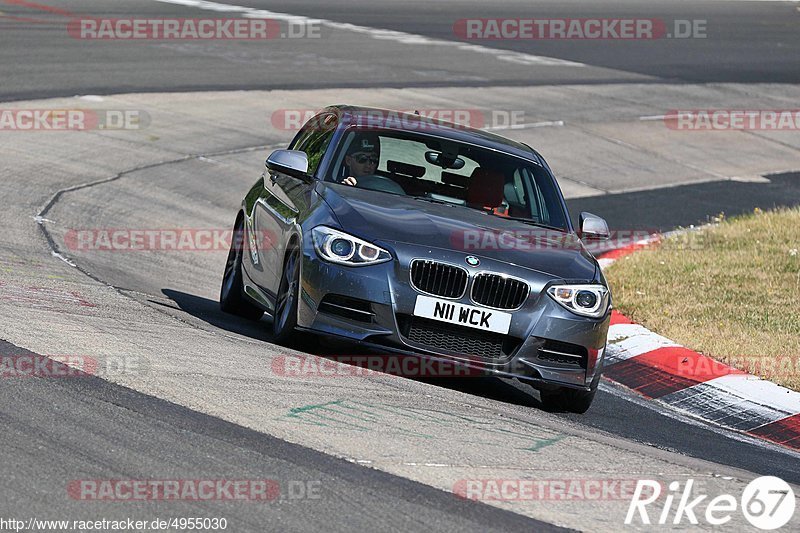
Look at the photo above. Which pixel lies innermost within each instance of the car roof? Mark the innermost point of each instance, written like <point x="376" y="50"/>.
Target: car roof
<point x="413" y="123"/>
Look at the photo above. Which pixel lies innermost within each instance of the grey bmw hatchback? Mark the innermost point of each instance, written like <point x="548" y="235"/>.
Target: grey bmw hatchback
<point x="423" y="238"/>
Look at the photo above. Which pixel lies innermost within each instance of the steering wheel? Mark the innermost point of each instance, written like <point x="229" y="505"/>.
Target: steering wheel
<point x="374" y="182"/>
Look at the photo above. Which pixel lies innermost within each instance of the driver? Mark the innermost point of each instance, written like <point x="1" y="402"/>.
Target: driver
<point x="362" y="157"/>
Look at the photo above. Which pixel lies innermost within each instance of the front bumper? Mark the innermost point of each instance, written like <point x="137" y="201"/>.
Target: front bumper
<point x="374" y="307"/>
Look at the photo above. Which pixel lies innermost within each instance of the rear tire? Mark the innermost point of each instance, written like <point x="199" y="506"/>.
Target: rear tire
<point x="231" y="295"/>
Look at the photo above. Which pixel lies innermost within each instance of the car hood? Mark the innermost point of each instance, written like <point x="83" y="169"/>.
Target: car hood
<point x="377" y="216"/>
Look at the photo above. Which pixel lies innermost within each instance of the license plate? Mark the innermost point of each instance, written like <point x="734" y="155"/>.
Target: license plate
<point x="462" y="315"/>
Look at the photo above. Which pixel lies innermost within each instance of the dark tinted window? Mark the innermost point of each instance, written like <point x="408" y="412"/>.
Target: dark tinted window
<point x="314" y="139"/>
<point x="487" y="180"/>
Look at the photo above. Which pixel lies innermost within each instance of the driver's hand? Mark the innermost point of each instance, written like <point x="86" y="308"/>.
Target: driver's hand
<point x="350" y="180"/>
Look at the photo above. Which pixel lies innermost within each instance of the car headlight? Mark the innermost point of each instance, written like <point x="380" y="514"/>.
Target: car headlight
<point x="585" y="300"/>
<point x="339" y="247"/>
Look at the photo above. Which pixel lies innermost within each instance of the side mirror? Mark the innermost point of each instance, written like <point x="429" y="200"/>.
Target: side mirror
<point x="293" y="163"/>
<point x="593" y="227"/>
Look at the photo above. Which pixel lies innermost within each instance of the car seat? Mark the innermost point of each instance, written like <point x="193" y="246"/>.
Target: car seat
<point x="486" y="189"/>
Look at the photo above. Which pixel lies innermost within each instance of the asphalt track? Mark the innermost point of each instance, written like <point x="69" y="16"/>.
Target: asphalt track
<point x="746" y="42"/>
<point x="105" y="431"/>
<point x="207" y="407"/>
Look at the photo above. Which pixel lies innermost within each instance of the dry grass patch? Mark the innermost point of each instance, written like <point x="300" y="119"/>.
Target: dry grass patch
<point x="730" y="291"/>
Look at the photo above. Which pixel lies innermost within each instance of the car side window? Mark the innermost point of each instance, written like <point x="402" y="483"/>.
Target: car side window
<point x="314" y="139"/>
<point x="548" y="203"/>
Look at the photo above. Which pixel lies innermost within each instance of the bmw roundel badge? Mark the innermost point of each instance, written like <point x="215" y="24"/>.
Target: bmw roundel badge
<point x="472" y="261"/>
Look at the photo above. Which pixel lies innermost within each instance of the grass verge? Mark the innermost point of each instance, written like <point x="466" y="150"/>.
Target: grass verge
<point x="730" y="291"/>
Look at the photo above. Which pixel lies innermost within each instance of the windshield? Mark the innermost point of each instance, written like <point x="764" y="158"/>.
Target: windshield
<point x="446" y="171"/>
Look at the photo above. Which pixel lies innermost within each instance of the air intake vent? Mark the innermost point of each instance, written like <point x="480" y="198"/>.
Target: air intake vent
<point x="563" y="353"/>
<point x="500" y="292"/>
<point x="439" y="279"/>
<point x="449" y="338"/>
<point x="347" y="307"/>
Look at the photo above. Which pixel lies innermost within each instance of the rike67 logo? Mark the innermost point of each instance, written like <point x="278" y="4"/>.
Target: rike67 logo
<point x="767" y="503"/>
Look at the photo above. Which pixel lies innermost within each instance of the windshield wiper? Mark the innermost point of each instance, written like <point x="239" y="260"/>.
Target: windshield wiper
<point x="436" y="201"/>
<point x="526" y="221"/>
<point x="489" y="211"/>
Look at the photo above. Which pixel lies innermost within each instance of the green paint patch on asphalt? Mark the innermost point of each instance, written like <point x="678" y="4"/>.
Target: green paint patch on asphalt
<point x="429" y="424"/>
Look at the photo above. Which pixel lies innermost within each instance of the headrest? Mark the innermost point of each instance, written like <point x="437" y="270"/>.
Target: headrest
<point x="485" y="188"/>
<point x="396" y="167"/>
<point x="458" y="180"/>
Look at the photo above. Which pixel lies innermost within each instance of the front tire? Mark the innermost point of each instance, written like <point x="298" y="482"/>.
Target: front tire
<point x="285" y="318"/>
<point x="231" y="294"/>
<point x="570" y="400"/>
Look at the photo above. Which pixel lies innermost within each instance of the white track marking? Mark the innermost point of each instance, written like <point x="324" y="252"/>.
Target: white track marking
<point x="377" y="33"/>
<point x="545" y="124"/>
<point x="681" y="415"/>
<point x="605" y="263"/>
<point x="728" y="406"/>
<point x="631" y="340"/>
<point x="67" y="260"/>
<point x="759" y="391"/>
